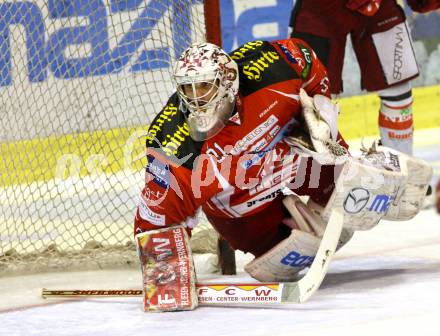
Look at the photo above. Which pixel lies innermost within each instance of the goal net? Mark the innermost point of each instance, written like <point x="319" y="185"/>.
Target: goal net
<point x="80" y="80"/>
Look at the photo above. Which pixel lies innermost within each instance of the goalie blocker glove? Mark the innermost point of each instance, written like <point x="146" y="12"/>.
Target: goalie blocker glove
<point x="167" y="270"/>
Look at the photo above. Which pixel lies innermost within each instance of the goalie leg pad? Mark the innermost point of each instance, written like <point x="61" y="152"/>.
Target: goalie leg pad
<point x="167" y="270"/>
<point x="284" y="261"/>
<point x="290" y="256"/>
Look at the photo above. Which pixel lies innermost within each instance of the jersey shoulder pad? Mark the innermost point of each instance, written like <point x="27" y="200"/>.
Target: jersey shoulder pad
<point x="298" y="53"/>
<point x="260" y="65"/>
<point x="169" y="135"/>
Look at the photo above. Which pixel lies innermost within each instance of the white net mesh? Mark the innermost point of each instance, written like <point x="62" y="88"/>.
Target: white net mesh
<point x="80" y="81"/>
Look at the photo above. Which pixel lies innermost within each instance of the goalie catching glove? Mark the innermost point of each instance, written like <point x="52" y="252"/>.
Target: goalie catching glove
<point x="321" y="117"/>
<point x="320" y="139"/>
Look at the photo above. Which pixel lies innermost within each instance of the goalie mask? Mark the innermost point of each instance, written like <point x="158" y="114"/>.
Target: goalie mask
<point x="207" y="84"/>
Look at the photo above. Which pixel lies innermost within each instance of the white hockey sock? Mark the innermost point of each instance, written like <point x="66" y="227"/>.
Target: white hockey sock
<point x="396" y="122"/>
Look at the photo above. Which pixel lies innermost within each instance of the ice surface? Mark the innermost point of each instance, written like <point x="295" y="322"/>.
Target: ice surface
<point x="386" y="281"/>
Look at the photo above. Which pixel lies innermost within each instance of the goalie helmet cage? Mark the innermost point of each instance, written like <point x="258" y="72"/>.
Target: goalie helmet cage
<point x="80" y="80"/>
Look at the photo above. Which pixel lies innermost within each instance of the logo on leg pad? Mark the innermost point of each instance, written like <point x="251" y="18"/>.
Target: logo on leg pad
<point x="295" y="259"/>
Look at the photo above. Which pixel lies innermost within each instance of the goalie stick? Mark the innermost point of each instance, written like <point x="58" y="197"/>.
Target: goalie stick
<point x="248" y="293"/>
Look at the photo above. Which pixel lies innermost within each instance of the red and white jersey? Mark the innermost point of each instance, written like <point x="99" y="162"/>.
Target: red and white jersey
<point x="239" y="171"/>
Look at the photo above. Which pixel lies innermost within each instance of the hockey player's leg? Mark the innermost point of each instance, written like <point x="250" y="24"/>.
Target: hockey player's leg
<point x="167" y="270"/>
<point x="396" y="118"/>
<point x="386" y="68"/>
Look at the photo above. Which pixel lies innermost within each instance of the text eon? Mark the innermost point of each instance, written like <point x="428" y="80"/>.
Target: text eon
<point x="46" y="51"/>
<point x="295" y="259"/>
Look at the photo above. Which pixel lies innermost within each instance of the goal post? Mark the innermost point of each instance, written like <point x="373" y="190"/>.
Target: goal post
<point x="213" y="22"/>
<point x="213" y="34"/>
<point x="80" y="81"/>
